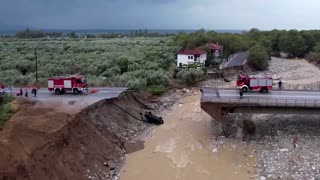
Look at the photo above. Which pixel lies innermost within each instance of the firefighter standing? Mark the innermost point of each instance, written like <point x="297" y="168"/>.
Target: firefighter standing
<point x="280" y="84"/>
<point x="34" y="92"/>
<point x="26" y="94"/>
<point x="21" y="92"/>
<point x="241" y="93"/>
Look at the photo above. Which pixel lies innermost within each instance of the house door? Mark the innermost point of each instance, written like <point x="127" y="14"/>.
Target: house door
<point x="180" y="64"/>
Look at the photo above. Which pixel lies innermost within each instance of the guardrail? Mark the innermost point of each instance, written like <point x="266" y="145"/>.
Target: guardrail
<point x="266" y="102"/>
<point x="303" y="87"/>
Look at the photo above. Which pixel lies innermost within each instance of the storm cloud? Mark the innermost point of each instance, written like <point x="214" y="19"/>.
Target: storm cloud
<point x="160" y="14"/>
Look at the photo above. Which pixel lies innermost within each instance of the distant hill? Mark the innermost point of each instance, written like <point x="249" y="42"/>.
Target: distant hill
<point x="10" y="29"/>
<point x="14" y="29"/>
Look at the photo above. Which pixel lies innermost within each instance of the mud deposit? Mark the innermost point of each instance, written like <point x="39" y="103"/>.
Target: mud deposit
<point x="41" y="143"/>
<point x="185" y="147"/>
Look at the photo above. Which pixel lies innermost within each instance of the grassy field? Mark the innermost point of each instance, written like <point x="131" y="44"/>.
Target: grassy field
<point x="134" y="62"/>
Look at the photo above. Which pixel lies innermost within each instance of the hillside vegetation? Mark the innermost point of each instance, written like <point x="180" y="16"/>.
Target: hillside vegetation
<point x="6" y="109"/>
<point x="134" y="62"/>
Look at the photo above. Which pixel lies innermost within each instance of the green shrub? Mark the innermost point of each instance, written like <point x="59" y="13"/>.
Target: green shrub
<point x="157" y="78"/>
<point x="6" y="110"/>
<point x="123" y="63"/>
<point x="175" y="72"/>
<point x="157" y="89"/>
<point x="258" y="57"/>
<point x="137" y="84"/>
<point x="193" y="65"/>
<point x="314" y="57"/>
<point x="190" y="76"/>
<point x="110" y="72"/>
<point x="204" y="69"/>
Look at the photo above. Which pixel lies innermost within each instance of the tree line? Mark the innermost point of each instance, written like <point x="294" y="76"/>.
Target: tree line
<point x="27" y="33"/>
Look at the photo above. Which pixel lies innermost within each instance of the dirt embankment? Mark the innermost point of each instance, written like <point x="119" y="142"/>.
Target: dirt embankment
<point x="40" y="143"/>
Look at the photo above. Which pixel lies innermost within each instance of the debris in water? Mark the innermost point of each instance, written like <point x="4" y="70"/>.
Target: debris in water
<point x="262" y="178"/>
<point x="284" y="150"/>
<point x="214" y="150"/>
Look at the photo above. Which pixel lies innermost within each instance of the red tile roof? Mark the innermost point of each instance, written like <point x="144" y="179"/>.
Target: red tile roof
<point x="195" y="51"/>
<point x="214" y="46"/>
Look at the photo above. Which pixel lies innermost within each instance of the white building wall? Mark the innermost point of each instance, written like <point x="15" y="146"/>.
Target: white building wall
<point x="203" y="58"/>
<point x="184" y="60"/>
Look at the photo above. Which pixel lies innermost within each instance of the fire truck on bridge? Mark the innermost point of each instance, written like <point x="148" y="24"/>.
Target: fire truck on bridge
<point x="262" y="84"/>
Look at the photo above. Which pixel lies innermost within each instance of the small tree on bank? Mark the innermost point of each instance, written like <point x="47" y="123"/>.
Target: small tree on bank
<point x="258" y="57"/>
<point x="190" y="76"/>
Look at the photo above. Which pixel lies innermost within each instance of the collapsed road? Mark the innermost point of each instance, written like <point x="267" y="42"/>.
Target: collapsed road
<point x="41" y="141"/>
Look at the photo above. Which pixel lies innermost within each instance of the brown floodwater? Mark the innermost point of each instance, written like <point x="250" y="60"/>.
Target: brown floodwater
<point x="184" y="148"/>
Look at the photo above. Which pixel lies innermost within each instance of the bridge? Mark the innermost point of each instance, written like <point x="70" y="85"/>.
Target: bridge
<point x="219" y="102"/>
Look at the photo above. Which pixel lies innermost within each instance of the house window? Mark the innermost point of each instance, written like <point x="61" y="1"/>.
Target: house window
<point x="191" y="57"/>
<point x="188" y="57"/>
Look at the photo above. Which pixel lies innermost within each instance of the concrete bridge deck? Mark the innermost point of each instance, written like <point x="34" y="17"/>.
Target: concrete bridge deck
<point x="219" y="102"/>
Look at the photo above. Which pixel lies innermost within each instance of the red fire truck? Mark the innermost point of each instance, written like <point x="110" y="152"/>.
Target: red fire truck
<point x="70" y="83"/>
<point x="262" y="84"/>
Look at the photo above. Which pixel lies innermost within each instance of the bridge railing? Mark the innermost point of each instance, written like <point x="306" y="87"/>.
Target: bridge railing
<point x="265" y="102"/>
<point x="305" y="87"/>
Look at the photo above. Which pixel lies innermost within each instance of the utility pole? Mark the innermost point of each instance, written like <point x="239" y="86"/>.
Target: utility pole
<point x="36" y="58"/>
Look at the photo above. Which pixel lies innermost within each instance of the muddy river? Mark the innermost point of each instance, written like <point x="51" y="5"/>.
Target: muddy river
<point x="185" y="148"/>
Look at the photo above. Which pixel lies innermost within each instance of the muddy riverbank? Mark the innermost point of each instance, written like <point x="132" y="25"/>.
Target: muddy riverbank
<point x="188" y="145"/>
<point x="185" y="148"/>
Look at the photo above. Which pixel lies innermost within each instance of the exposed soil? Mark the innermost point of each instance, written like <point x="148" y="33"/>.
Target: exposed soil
<point x="40" y="142"/>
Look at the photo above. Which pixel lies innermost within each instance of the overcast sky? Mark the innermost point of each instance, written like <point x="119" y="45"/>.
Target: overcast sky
<point x="160" y="14"/>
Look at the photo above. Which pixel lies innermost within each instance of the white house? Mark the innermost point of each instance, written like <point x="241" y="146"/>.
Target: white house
<point x="191" y="56"/>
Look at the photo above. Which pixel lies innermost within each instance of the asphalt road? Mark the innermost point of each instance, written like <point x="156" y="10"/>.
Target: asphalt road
<point x="213" y="94"/>
<point x="102" y="92"/>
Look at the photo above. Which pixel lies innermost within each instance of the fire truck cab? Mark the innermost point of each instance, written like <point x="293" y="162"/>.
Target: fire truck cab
<point x="262" y="84"/>
<point x="71" y="83"/>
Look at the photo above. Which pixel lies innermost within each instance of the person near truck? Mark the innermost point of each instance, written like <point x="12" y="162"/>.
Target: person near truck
<point x="241" y="93"/>
<point x="34" y="91"/>
<point x="280" y="84"/>
<point x="26" y="94"/>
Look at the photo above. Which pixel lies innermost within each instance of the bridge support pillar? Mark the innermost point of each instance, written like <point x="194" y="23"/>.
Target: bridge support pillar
<point x="219" y="114"/>
<point x="223" y="122"/>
